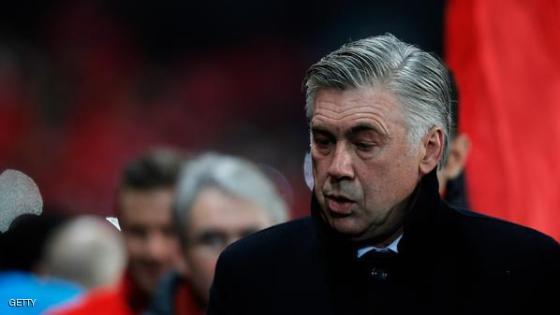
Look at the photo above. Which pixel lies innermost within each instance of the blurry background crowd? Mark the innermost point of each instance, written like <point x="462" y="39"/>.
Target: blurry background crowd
<point x="87" y="85"/>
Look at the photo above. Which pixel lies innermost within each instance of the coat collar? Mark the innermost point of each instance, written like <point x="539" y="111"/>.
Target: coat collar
<point x="417" y="226"/>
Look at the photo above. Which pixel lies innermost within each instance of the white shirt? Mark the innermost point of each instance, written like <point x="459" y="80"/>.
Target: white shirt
<point x="391" y="247"/>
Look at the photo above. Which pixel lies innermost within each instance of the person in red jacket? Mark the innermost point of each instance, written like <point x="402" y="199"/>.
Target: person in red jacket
<point x="143" y="207"/>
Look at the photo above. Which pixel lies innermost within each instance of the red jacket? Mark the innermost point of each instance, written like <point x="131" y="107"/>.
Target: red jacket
<point x="126" y="299"/>
<point x="123" y="299"/>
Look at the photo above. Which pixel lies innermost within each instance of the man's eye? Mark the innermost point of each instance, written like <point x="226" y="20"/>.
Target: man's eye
<point x="364" y="146"/>
<point x="212" y="239"/>
<point x="322" y="141"/>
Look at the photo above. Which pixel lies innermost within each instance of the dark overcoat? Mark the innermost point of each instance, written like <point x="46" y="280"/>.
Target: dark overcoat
<point x="449" y="261"/>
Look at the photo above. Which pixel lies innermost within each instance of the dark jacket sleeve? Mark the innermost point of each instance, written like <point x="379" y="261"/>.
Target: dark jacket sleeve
<point x="222" y="296"/>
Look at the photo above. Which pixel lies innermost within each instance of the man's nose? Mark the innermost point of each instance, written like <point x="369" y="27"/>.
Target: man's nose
<point x="157" y="246"/>
<point x="341" y="166"/>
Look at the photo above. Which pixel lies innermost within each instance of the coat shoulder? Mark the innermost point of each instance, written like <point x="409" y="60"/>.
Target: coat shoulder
<point x="283" y="240"/>
<point x="493" y="235"/>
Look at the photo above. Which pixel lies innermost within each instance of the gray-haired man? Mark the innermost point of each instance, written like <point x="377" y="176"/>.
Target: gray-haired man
<point x="379" y="239"/>
<point x="219" y="199"/>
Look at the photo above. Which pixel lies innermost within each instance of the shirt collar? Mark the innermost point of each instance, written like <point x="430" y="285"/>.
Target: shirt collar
<point x="391" y="247"/>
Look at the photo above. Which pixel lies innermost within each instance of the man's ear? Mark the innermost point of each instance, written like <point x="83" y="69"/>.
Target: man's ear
<point x="458" y="152"/>
<point x="432" y="150"/>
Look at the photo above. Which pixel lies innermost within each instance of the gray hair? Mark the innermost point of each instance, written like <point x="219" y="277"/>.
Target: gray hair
<point x="419" y="80"/>
<point x="232" y="175"/>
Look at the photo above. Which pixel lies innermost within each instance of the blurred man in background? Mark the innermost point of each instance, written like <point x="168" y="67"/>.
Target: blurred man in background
<point x="143" y="207"/>
<point x="87" y="250"/>
<point x="220" y="199"/>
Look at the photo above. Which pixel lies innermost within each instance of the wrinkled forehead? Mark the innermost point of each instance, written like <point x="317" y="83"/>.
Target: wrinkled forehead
<point x="339" y="110"/>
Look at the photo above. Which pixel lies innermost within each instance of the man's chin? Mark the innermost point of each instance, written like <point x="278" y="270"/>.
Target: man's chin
<point x="148" y="286"/>
<point x="356" y="232"/>
<point x="348" y="227"/>
<point x="147" y="281"/>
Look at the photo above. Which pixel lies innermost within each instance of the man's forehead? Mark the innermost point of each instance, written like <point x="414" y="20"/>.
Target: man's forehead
<point x="347" y="102"/>
<point x="153" y="202"/>
<point x="160" y="194"/>
<point x="227" y="222"/>
<point x="214" y="205"/>
<point x="356" y="107"/>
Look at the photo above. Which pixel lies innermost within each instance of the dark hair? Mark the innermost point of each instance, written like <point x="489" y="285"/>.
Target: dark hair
<point x="155" y="169"/>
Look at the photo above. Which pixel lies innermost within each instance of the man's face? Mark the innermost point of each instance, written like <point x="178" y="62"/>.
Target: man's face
<point x="216" y="220"/>
<point x="152" y="247"/>
<point x="363" y="163"/>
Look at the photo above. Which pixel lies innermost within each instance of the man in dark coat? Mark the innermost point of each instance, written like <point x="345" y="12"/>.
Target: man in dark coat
<point x="379" y="239"/>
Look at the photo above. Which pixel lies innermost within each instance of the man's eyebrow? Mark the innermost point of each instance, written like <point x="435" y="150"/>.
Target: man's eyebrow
<point x="321" y="130"/>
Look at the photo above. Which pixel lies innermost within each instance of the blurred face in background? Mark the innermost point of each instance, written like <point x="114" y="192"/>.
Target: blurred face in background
<point x="216" y="220"/>
<point x="152" y="247"/>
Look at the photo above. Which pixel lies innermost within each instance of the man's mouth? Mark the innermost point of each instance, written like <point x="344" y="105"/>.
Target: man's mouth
<point x="339" y="205"/>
